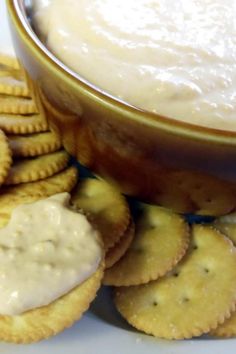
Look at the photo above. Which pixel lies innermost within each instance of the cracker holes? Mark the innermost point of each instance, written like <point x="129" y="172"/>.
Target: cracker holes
<point x="185" y="299"/>
<point x="152" y="227"/>
<point x="176" y="274"/>
<point x="155" y="304"/>
<point x="206" y="270"/>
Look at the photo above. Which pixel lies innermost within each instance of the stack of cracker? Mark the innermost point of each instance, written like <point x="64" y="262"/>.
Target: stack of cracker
<point x="32" y="160"/>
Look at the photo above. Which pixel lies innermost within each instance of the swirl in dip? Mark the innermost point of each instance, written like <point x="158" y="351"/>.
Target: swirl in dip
<point x="175" y="58"/>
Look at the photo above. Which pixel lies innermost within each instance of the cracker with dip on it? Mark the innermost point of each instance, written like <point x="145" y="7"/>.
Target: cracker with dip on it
<point x="49" y="270"/>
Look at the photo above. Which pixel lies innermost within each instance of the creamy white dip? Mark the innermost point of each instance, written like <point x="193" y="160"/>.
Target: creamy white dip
<point x="175" y="58"/>
<point x="46" y="250"/>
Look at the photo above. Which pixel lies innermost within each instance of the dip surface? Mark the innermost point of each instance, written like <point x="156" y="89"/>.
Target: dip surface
<point x="175" y="58"/>
<point x="46" y="250"/>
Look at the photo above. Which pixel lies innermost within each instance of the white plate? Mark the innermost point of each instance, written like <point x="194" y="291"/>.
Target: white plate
<point x="101" y="329"/>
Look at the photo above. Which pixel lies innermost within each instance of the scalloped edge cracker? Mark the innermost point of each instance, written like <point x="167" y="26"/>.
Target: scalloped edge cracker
<point x="5" y="157"/>
<point x="34" y="144"/>
<point x="161" y="240"/>
<point x="105" y="207"/>
<point x="13" y="82"/>
<point x="17" y="105"/>
<point x="44" y="322"/>
<point x="115" y="253"/>
<point x="20" y="124"/>
<point x="37" y="168"/>
<point x="192" y="299"/>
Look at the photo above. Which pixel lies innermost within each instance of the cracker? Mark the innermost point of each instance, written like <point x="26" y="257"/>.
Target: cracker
<point x="11" y="197"/>
<point x="9" y="61"/>
<point x="5" y="157"/>
<point x="211" y="196"/>
<point x="13" y="82"/>
<point x="167" y="194"/>
<point x="17" y="105"/>
<point x="192" y="299"/>
<point x="34" y="169"/>
<point x="227" y="225"/>
<point x="47" y="321"/>
<point x="105" y="207"/>
<point x="227" y="329"/>
<point x="23" y="124"/>
<point x="61" y="182"/>
<point x="118" y="250"/>
<point x="34" y="144"/>
<point x="161" y="240"/>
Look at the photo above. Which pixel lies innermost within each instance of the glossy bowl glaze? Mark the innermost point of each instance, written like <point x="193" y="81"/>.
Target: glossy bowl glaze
<point x="121" y="143"/>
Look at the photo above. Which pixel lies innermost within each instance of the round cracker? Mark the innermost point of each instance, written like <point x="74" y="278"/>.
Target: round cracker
<point x="193" y="298"/>
<point x="34" y="144"/>
<point x="17" y="105"/>
<point x="12" y="82"/>
<point x="209" y="195"/>
<point x="161" y="240"/>
<point x="105" y="207"/>
<point x="227" y="225"/>
<point x="118" y="250"/>
<point x="5" y="157"/>
<point x="227" y="329"/>
<point x="34" y="169"/>
<point x="9" y="61"/>
<point x="13" y="196"/>
<point x="170" y="196"/>
<point x="20" y="124"/>
<point x="47" y="321"/>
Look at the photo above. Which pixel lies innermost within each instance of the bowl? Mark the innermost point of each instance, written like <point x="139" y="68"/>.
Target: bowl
<point x="135" y="149"/>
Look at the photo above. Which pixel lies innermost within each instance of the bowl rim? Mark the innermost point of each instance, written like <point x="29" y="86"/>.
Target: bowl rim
<point x="166" y="124"/>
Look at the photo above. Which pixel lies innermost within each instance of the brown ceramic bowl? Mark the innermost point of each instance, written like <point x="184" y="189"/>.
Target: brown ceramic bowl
<point x="117" y="141"/>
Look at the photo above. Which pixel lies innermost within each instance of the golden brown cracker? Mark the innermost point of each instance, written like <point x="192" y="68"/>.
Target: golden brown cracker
<point x="47" y="321"/>
<point x="23" y="124"/>
<point x="192" y="299"/>
<point x="167" y="194"/>
<point x="226" y="329"/>
<point x="17" y="105"/>
<point x="118" y="250"/>
<point x="211" y="196"/>
<point x="161" y="240"/>
<point x="61" y="182"/>
<point x="12" y="196"/>
<point x="227" y="225"/>
<point x="9" y="61"/>
<point x="34" y="169"/>
<point x="106" y="208"/>
<point x="13" y="83"/>
<point x="5" y="157"/>
<point x="34" y="144"/>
